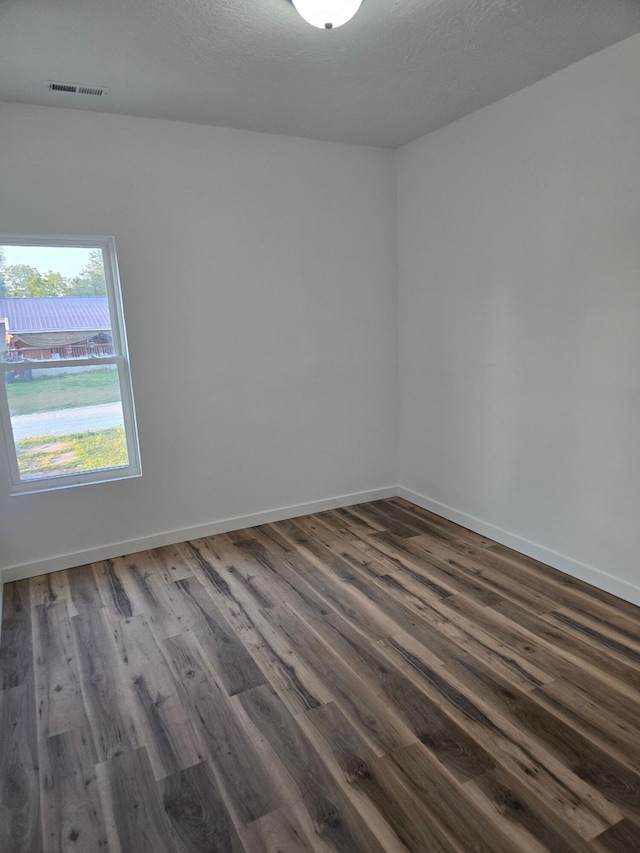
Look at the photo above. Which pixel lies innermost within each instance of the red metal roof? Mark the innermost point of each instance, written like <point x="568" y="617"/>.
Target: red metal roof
<point x="61" y="314"/>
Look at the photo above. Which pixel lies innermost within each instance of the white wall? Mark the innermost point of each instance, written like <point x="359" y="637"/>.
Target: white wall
<point x="259" y="289"/>
<point x="519" y="289"/>
<point x="258" y="280"/>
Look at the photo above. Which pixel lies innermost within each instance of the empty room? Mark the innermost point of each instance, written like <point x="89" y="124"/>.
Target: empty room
<point x="320" y="418"/>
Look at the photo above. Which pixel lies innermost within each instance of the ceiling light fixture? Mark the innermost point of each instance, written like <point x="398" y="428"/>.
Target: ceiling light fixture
<point x="327" y="14"/>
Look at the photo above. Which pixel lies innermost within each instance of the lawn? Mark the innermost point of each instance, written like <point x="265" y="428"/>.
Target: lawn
<point x="64" y="391"/>
<point x="48" y="455"/>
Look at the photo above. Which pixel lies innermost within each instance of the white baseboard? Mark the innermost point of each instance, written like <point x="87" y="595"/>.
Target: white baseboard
<point x="582" y="571"/>
<point x="589" y="574"/>
<point x="171" y="537"/>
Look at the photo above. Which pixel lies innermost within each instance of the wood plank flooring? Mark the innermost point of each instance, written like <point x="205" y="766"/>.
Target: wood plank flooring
<point x="366" y="679"/>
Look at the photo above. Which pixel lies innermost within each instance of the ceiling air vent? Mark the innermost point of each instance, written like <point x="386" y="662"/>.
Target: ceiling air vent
<point x="63" y="87"/>
<point x="76" y="88"/>
<point x="90" y="90"/>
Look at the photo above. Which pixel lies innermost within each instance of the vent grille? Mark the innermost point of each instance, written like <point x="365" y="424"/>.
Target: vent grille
<point x="63" y="87"/>
<point x="76" y="89"/>
<point x="90" y="90"/>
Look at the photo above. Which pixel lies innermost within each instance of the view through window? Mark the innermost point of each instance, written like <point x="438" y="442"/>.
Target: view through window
<point x="67" y="408"/>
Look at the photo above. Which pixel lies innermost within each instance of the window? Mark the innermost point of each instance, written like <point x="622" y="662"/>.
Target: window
<point x="66" y="404"/>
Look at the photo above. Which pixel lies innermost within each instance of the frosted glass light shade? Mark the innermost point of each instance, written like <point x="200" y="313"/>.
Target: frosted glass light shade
<point x="327" y="14"/>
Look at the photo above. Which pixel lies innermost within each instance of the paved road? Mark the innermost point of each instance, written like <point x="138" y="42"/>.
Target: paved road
<point x="65" y="421"/>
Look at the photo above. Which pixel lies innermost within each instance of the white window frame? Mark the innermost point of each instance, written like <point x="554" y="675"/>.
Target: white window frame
<point x="120" y="358"/>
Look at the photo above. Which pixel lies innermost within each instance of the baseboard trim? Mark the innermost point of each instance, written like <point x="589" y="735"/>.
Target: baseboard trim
<point x="171" y="537"/>
<point x="574" y="568"/>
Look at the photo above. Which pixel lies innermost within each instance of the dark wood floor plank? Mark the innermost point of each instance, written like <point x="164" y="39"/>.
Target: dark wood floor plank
<point x="339" y="524"/>
<point x="270" y="580"/>
<point x="458" y="634"/>
<point x="371" y="678"/>
<point x="601" y="614"/>
<point x="297" y="685"/>
<point x="281" y="832"/>
<point x="625" y="673"/>
<point x="531" y="582"/>
<point x="52" y="587"/>
<point x="603" y="637"/>
<point x="375" y="569"/>
<point x="414" y="620"/>
<point x="234" y="666"/>
<point x="401" y="563"/>
<point x="621" y="838"/>
<point x="350" y="581"/>
<point x="488" y="570"/>
<point x="605" y="774"/>
<point x="197" y="812"/>
<point x="443" y="797"/>
<point x="157" y="599"/>
<point x="568" y="797"/>
<point x="412" y="593"/>
<point x="468" y="826"/>
<point x="335" y="819"/>
<point x="327" y="547"/>
<point x="551" y="659"/>
<point x="521" y="584"/>
<point x="488" y="647"/>
<point x="337" y="549"/>
<point x="316" y="535"/>
<point x="112" y="720"/>
<point x="267" y="578"/>
<point x="450" y="743"/>
<point x="134" y="814"/>
<point x="56" y="670"/>
<point x="170" y="563"/>
<point x="521" y="816"/>
<point x="20" y="826"/>
<point x="601" y="618"/>
<point x="85" y="594"/>
<point x="350" y="602"/>
<point x="462" y="534"/>
<point x="418" y="523"/>
<point x="381" y="725"/>
<point x="270" y="539"/>
<point x="339" y="588"/>
<point x="360" y="773"/>
<point x="111" y="578"/>
<point x="156" y="700"/>
<point x="135" y="585"/>
<point x="589" y="717"/>
<point x="241" y="775"/>
<point x="16" y="656"/>
<point x="429" y="567"/>
<point x="71" y="808"/>
<point x="354" y="523"/>
<point x="556" y="581"/>
<point x="388" y="521"/>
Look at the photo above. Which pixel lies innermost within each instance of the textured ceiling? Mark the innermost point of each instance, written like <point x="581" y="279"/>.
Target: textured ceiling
<point x="399" y="69"/>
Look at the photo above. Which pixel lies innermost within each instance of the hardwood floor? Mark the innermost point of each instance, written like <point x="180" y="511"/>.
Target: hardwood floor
<point x="366" y="679"/>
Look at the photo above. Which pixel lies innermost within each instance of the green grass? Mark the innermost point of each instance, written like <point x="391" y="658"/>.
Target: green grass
<point x="64" y="391"/>
<point x="48" y="455"/>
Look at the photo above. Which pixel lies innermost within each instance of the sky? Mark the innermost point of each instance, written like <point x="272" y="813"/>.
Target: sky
<point x="67" y="261"/>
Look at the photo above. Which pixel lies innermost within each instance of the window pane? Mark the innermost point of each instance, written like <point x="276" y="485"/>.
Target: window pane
<point x="63" y="363"/>
<point x="53" y="303"/>
<point x="66" y="420"/>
